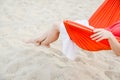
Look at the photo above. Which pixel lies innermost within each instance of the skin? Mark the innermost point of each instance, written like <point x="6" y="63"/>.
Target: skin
<point x="99" y="34"/>
<point x="47" y="38"/>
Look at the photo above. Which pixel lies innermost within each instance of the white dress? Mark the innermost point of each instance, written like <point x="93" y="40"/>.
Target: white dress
<point x="69" y="48"/>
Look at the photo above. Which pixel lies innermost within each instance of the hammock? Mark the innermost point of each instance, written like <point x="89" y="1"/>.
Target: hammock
<point x="107" y="14"/>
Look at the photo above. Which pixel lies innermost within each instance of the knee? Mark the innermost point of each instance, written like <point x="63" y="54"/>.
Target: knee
<point x="56" y="26"/>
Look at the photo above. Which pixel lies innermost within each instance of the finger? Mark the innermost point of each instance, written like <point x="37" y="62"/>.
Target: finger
<point x="96" y="34"/>
<point x="100" y="39"/>
<point x="97" y="30"/>
<point x="96" y="37"/>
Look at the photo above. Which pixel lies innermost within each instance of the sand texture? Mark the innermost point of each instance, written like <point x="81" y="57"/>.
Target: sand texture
<point x="21" y="20"/>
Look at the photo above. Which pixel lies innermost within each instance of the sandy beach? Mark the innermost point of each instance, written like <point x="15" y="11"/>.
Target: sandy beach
<point x="22" y="20"/>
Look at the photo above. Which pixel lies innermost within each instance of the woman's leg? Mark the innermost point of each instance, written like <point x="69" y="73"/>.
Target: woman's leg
<point x="48" y="37"/>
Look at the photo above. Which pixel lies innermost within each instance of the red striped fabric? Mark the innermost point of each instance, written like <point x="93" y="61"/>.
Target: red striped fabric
<point x="107" y="14"/>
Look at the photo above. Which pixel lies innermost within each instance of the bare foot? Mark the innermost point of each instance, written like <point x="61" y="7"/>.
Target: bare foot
<point x="39" y="41"/>
<point x="47" y="38"/>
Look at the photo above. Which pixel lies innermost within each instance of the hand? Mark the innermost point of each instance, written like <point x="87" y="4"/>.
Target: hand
<point x="101" y="34"/>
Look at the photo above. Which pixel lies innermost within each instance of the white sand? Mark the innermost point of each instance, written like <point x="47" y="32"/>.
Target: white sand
<point x="24" y="19"/>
